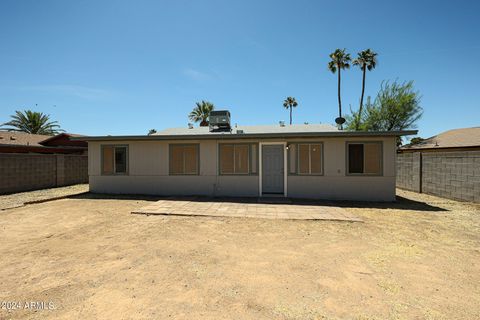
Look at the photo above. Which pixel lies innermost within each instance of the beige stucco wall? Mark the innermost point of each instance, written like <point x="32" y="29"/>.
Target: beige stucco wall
<point x="148" y="173"/>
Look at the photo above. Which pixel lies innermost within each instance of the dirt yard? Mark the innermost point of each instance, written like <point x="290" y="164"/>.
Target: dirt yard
<point x="8" y="201"/>
<point x="89" y="258"/>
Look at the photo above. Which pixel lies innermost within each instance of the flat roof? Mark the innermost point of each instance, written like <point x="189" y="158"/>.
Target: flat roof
<point x="251" y="132"/>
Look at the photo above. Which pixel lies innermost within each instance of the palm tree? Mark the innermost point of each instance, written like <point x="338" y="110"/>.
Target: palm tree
<point x="366" y="60"/>
<point x="201" y="112"/>
<point x="33" y="122"/>
<point x="340" y="60"/>
<point x="290" y="103"/>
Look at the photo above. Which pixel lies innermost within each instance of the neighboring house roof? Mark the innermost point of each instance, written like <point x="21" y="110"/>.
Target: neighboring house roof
<point x="21" y="142"/>
<point x="21" y="138"/>
<point x="251" y="132"/>
<point x="63" y="139"/>
<point x="456" y="138"/>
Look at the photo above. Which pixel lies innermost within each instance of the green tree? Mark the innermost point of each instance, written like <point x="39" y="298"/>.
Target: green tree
<point x="396" y="107"/>
<point x="290" y="103"/>
<point x="32" y="122"/>
<point x="366" y="60"/>
<point x="201" y="112"/>
<point x="339" y="60"/>
<point x="416" y="140"/>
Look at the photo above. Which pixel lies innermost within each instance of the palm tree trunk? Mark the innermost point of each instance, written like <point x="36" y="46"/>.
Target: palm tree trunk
<point x="357" y="124"/>
<point x="339" y="98"/>
<point x="291" y="114"/>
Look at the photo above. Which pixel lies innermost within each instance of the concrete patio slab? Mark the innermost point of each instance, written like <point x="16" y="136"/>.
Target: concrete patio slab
<point x="263" y="209"/>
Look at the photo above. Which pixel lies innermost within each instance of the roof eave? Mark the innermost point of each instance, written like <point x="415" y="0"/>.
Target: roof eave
<point x="250" y="135"/>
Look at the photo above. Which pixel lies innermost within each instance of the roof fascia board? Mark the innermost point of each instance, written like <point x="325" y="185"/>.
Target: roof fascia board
<point x="250" y="135"/>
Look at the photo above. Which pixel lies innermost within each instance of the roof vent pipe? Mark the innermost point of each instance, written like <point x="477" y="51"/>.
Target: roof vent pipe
<point x="190" y="126"/>
<point x="281" y="123"/>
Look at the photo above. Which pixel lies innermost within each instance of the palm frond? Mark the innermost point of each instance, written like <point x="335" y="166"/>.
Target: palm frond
<point x="290" y="102"/>
<point x="339" y="60"/>
<point x="366" y="59"/>
<point x="201" y="112"/>
<point x="33" y="122"/>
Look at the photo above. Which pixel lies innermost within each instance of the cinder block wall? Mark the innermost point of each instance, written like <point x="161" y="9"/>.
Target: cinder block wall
<point x="23" y="172"/>
<point x="408" y="171"/>
<point x="454" y="175"/>
<point x="76" y="169"/>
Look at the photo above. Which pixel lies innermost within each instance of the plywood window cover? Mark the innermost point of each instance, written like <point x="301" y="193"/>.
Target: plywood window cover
<point x="292" y="159"/>
<point x="184" y="148"/>
<point x="309" y="146"/>
<point x="234" y="162"/>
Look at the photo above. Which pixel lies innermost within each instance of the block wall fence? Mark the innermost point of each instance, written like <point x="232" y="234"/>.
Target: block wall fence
<point x="24" y="171"/>
<point x="453" y="175"/>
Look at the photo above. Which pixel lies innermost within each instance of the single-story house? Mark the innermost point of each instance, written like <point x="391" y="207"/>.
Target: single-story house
<point x="302" y="161"/>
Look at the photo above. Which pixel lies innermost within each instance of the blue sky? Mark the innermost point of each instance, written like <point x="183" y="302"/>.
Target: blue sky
<point x="124" y="67"/>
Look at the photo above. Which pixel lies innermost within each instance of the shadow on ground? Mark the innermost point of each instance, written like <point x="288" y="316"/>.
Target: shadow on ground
<point x="401" y="203"/>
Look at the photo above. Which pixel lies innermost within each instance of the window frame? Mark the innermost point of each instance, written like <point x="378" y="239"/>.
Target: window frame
<point x="127" y="160"/>
<point x="347" y="159"/>
<point x="170" y="146"/>
<point x="297" y="158"/>
<point x="250" y="160"/>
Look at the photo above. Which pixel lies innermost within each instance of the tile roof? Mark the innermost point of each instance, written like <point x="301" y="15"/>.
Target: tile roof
<point x="456" y="138"/>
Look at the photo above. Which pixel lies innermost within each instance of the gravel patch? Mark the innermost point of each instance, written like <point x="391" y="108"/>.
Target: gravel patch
<point x="19" y="199"/>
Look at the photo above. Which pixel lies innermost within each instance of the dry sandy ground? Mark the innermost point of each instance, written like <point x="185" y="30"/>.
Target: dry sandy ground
<point x="92" y="259"/>
<point x="14" y="200"/>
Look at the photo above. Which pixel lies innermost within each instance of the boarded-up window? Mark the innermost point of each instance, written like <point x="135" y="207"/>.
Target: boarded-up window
<point x="310" y="159"/>
<point x="184" y="159"/>
<point x="303" y="159"/>
<point x="241" y="159"/>
<point x="365" y="158"/>
<point x="107" y="165"/>
<point x="191" y="159"/>
<point x="254" y="158"/>
<point x="176" y="159"/>
<point x="227" y="154"/>
<point x="315" y="158"/>
<point x="114" y="159"/>
<point x="235" y="158"/>
<point x="373" y="158"/>
<point x="292" y="158"/>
